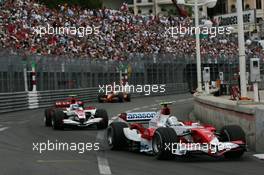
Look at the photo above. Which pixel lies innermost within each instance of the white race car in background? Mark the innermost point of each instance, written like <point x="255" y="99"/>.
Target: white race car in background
<point x="72" y="114"/>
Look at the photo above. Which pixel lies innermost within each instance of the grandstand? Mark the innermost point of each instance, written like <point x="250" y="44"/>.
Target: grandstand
<point x="120" y="33"/>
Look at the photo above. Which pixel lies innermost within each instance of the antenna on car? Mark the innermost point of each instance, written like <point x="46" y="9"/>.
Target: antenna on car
<point x="165" y="110"/>
<point x="165" y="103"/>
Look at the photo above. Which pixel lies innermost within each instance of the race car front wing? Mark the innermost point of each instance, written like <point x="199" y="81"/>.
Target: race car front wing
<point x="81" y="124"/>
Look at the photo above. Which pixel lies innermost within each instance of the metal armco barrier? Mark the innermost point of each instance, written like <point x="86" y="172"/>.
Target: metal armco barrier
<point x="13" y="101"/>
<point x="10" y="102"/>
<point x="170" y="89"/>
<point x="47" y="98"/>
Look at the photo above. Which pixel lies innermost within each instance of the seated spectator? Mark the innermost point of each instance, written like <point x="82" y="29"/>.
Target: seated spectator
<point x="114" y="34"/>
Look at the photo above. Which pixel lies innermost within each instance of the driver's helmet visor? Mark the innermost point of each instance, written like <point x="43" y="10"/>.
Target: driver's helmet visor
<point x="75" y="106"/>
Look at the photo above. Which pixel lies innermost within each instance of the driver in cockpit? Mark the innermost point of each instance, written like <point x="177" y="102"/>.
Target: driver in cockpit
<point x="165" y="110"/>
<point x="75" y="107"/>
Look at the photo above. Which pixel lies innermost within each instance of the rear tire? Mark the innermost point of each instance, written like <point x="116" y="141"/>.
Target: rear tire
<point x="101" y="113"/>
<point x="120" y="97"/>
<point x="57" y="120"/>
<point x="233" y="133"/>
<point x="162" y="138"/>
<point x="99" y="97"/>
<point x="48" y="116"/>
<point x="115" y="136"/>
<point x="129" y="97"/>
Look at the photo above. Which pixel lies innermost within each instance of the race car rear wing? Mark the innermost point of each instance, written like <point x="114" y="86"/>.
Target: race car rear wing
<point x="138" y="117"/>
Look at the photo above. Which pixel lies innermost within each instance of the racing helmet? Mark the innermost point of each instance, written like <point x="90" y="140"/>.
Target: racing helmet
<point x="165" y="110"/>
<point x="75" y="106"/>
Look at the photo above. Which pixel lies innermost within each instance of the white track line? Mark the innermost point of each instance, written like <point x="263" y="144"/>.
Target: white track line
<point x="102" y="161"/>
<point x="4" y="128"/>
<point x="259" y="156"/>
<point x="103" y="166"/>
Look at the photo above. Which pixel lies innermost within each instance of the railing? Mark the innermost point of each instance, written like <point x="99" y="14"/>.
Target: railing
<point x="13" y="101"/>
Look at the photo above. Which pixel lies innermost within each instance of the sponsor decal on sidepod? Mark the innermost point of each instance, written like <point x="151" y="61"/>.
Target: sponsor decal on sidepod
<point x="140" y="116"/>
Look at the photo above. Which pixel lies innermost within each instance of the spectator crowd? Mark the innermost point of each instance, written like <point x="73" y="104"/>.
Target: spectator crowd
<point x="120" y="33"/>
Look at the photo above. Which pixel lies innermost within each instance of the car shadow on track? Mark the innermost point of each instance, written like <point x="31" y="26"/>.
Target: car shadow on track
<point x="198" y="158"/>
<point x="205" y="159"/>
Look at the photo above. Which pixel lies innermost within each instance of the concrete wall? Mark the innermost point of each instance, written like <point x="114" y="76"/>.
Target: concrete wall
<point x="220" y="112"/>
<point x="260" y="129"/>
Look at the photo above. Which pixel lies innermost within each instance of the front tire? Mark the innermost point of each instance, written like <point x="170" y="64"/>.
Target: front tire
<point x="233" y="133"/>
<point x="57" y="120"/>
<point x="115" y="136"/>
<point x="48" y="116"/>
<point x="120" y="97"/>
<point x="162" y="143"/>
<point x="101" y="113"/>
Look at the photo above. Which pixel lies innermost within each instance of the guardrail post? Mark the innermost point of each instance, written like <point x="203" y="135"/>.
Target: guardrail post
<point x="34" y="84"/>
<point x="25" y="78"/>
<point x="33" y="101"/>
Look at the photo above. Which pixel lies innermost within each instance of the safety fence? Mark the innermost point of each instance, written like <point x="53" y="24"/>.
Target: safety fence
<point x="60" y="73"/>
<point x="40" y="99"/>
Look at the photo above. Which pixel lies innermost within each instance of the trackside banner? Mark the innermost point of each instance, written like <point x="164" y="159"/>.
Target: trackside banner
<point x="140" y="116"/>
<point x="231" y="19"/>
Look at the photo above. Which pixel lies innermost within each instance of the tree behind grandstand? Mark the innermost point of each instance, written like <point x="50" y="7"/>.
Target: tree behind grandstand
<point x="91" y="4"/>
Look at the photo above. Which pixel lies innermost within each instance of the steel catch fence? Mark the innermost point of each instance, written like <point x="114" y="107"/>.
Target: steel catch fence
<point x="60" y="73"/>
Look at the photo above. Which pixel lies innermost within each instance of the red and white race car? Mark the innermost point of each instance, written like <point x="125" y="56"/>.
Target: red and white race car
<point x="114" y="96"/>
<point x="114" y="93"/>
<point x="162" y="135"/>
<point x="71" y="113"/>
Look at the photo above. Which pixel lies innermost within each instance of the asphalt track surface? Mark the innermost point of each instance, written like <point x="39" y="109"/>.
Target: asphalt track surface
<point x="19" y="130"/>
